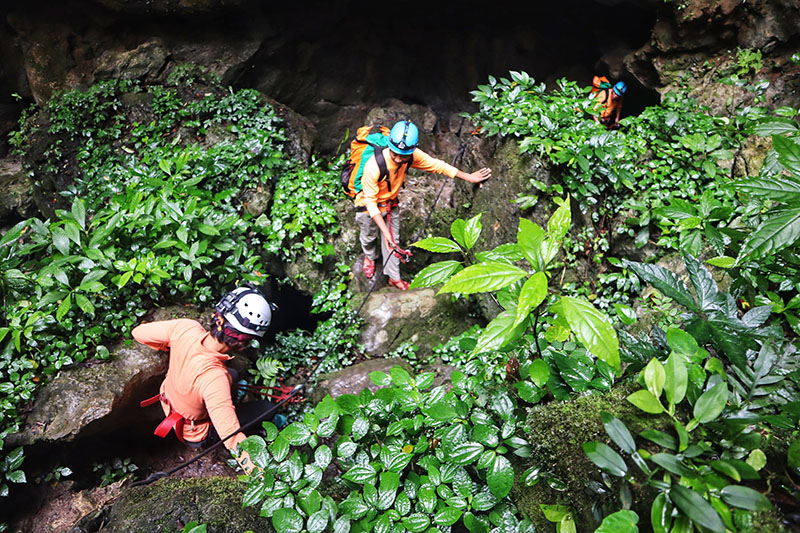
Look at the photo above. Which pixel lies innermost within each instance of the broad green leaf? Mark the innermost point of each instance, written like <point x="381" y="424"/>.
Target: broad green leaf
<point x="500" y="477"/>
<point x="60" y="240"/>
<point x="498" y="332"/>
<point x="84" y="304"/>
<point x="676" y="378"/>
<point x="619" y="522"/>
<point x="711" y="403"/>
<point x="673" y="464"/>
<point x="665" y="281"/>
<point x="722" y="261"/>
<point x="724" y="467"/>
<point x="626" y="314"/>
<point x="79" y="212"/>
<point x="559" y="222"/>
<point x="793" y="454"/>
<point x="705" y="288"/>
<point x="441" y="245"/>
<point x="13" y="234"/>
<point x="654" y="377"/>
<point x="447" y="516"/>
<point x="466" y="453"/>
<point x="605" y="457"/>
<point x="775" y="126"/>
<point x="484" y="277"/>
<point x="64" y="307"/>
<point x="745" y="498"/>
<point x="776" y="188"/>
<point x="788" y="153"/>
<point x="777" y="232"/>
<point x="539" y="372"/>
<point x="472" y="231"/>
<point x="435" y="273"/>
<point x="530" y="237"/>
<point x="532" y="294"/>
<point x="361" y="473"/>
<point x="593" y="329"/>
<point x="416" y="522"/>
<point x="457" y="228"/>
<point x="696" y="508"/>
<point x="682" y="342"/>
<point x="208" y="229"/>
<point x="618" y="432"/>
<point x="644" y="400"/>
<point x="555" y="513"/>
<point x="287" y="520"/>
<point x="661" y="514"/>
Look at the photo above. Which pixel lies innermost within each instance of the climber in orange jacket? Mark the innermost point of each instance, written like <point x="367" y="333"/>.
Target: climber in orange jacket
<point x="609" y="102"/>
<point x="196" y="393"/>
<point x="377" y="201"/>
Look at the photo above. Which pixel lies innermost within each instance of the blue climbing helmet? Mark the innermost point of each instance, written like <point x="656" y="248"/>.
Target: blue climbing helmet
<point x="403" y="137"/>
<point x="620" y="88"/>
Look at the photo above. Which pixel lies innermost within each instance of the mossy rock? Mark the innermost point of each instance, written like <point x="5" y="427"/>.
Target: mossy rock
<point x="557" y="431"/>
<point x="163" y="506"/>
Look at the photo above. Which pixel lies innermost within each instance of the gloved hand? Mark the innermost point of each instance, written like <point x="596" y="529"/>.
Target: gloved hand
<point x="244" y="461"/>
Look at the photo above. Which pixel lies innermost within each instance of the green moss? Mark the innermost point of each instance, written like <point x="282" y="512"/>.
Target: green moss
<point x="216" y="502"/>
<point x="557" y="431"/>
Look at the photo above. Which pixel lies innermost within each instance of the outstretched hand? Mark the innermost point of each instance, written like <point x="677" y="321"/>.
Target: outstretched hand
<point x="478" y="176"/>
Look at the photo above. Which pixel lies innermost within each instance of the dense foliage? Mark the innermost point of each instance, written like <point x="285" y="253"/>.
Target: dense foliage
<point x="155" y="213"/>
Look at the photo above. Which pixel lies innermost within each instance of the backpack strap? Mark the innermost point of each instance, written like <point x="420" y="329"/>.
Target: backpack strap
<point x="384" y="171"/>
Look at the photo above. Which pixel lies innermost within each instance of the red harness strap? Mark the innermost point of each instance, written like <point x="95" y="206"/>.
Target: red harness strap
<point x="280" y="393"/>
<point x="174" y="420"/>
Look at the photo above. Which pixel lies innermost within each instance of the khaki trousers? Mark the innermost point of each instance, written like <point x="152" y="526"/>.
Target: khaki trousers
<point x="371" y="236"/>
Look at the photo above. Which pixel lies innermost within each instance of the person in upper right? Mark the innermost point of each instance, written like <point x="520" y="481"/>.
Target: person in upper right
<point x="609" y="102"/>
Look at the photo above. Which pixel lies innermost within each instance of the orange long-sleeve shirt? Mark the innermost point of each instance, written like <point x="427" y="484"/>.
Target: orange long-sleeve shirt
<point x="373" y="193"/>
<point x="198" y="384"/>
<point x="606" y="103"/>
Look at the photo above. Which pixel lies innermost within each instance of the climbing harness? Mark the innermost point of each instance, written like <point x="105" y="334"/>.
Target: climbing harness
<point x="294" y="394"/>
<point x="174" y="420"/>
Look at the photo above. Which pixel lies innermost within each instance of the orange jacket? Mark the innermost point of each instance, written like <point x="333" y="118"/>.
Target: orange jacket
<point x="373" y="193"/>
<point x="198" y="384"/>
<point x="606" y="103"/>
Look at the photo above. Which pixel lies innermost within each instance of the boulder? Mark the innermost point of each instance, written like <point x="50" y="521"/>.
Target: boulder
<point x="168" y="505"/>
<point x="16" y="202"/>
<point x="417" y="316"/>
<point x="99" y="397"/>
<point x="91" y="399"/>
<point x="145" y="61"/>
<point x="353" y="379"/>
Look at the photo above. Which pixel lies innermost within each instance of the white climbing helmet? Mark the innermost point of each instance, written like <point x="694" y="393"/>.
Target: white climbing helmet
<point x="246" y="310"/>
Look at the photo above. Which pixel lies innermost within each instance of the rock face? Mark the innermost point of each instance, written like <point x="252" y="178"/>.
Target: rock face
<point x="84" y="401"/>
<point x="16" y="202"/>
<point x="353" y="379"/>
<point x="417" y="316"/>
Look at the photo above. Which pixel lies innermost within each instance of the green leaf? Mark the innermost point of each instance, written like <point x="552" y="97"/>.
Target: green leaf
<point x="472" y="231"/>
<point x="661" y="514"/>
<point x="777" y="232"/>
<point x="63" y="309"/>
<point x="696" y="508"/>
<point x="287" y="520"/>
<point x="499" y="332"/>
<point x="673" y="464"/>
<point x="208" y="229"/>
<point x="466" y="453"/>
<point x="619" y="522"/>
<point x="555" y="513"/>
<point x="500" y="477"/>
<point x="530" y="237"/>
<point x="618" y="432"/>
<point x="724" y="467"/>
<point x="361" y="473"/>
<point x="539" y="372"/>
<point x="60" y="240"/>
<point x="416" y="522"/>
<point x="381" y="379"/>
<point x="84" y="304"/>
<point x="435" y="273"/>
<point x="593" y="329"/>
<point x="440" y="245"/>
<point x="654" y="377"/>
<point x="447" y="516"/>
<point x="484" y="277"/>
<point x="457" y="228"/>
<point x="745" y="498"/>
<point x="626" y="314"/>
<point x="605" y="457"/>
<point x="644" y="400"/>
<point x="775" y="126"/>
<point x="532" y="294"/>
<point x="711" y="403"/>
<point x="788" y="153"/>
<point x="676" y="378"/>
<point x="776" y="188"/>
<point x="559" y="222"/>
<point x="665" y="281"/>
<point x="79" y="212"/>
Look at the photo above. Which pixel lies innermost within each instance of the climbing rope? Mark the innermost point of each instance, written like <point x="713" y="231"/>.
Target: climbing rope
<point x="294" y="394"/>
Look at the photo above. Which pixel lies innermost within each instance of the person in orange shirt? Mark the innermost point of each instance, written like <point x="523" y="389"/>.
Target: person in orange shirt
<point x="376" y="204"/>
<point x="196" y="393"/>
<point x="609" y="103"/>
